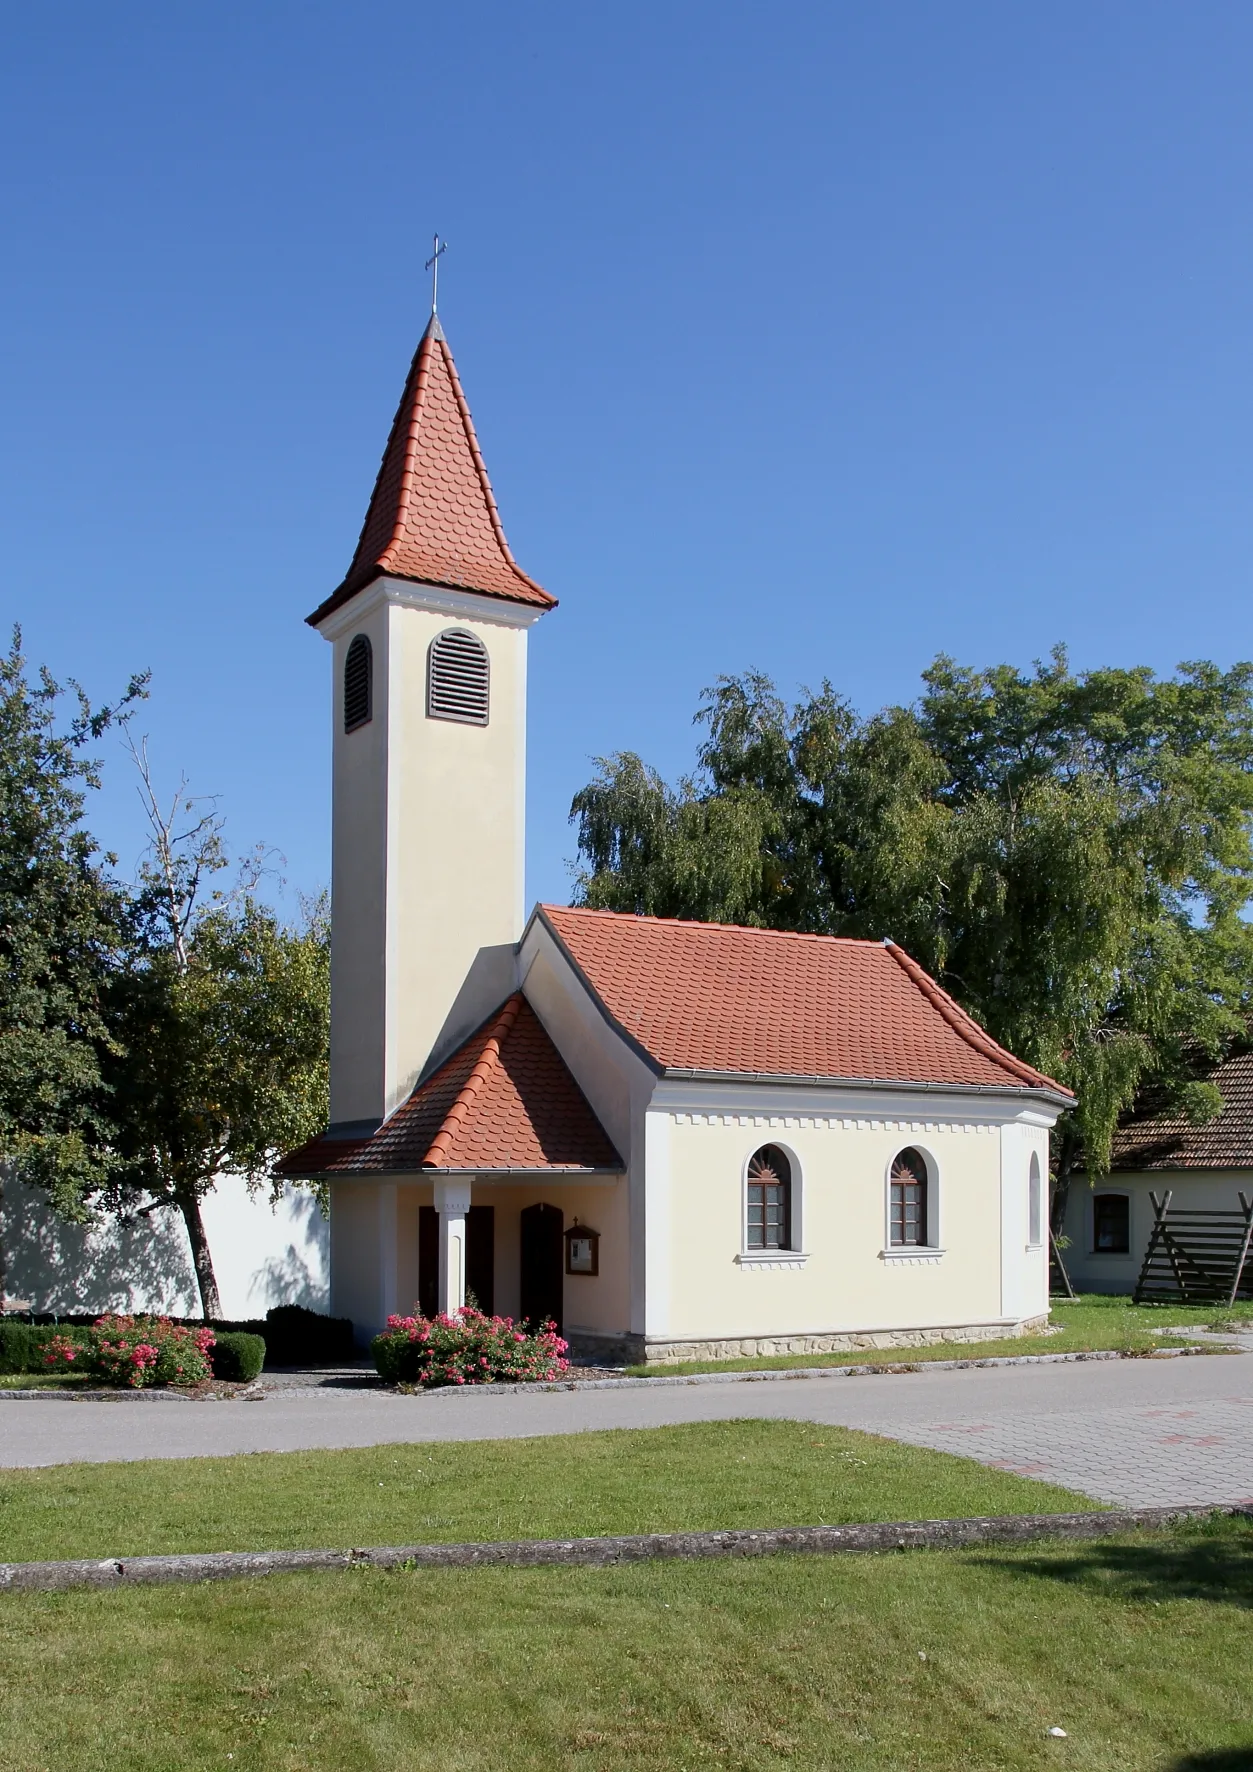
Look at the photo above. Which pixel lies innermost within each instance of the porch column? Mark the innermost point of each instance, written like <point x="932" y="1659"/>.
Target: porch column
<point x="452" y="1202"/>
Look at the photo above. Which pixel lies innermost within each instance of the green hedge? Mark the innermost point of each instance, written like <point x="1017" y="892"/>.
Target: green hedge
<point x="237" y="1357"/>
<point x="293" y="1336"/>
<point x="22" y="1346"/>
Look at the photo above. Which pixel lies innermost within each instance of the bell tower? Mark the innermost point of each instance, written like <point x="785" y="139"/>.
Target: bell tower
<point x="429" y="637"/>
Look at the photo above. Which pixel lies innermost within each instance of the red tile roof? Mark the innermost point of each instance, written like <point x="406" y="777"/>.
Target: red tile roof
<point x="711" y="997"/>
<point x="432" y="517"/>
<point x="505" y="1100"/>
<point x="1153" y="1138"/>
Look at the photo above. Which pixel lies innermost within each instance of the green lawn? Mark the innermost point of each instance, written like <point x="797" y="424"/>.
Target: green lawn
<point x="1093" y="1324"/>
<point x="702" y="1476"/>
<point x="1138" y="1647"/>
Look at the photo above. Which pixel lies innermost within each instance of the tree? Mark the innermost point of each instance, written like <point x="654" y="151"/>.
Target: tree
<point x="63" y="928"/>
<point x="1069" y="854"/>
<point x="221" y="1019"/>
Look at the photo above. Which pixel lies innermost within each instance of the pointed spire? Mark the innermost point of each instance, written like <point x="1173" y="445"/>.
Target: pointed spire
<point x="432" y="517"/>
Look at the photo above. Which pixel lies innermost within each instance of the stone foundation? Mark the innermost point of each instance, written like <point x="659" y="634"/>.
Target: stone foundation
<point x="637" y="1350"/>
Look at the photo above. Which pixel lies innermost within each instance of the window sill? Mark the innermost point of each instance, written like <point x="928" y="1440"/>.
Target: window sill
<point x="1033" y="1248"/>
<point x="773" y="1258"/>
<point x="912" y="1253"/>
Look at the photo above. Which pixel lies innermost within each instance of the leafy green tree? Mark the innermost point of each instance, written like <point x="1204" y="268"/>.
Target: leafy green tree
<point x="222" y="1026"/>
<point x="63" y="929"/>
<point x="1069" y="854"/>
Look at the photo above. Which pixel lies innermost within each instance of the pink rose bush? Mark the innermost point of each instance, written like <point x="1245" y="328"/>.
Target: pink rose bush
<point x="467" y="1348"/>
<point x="134" y="1352"/>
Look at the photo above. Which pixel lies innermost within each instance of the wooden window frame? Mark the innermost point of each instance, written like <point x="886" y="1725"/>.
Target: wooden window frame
<point x="899" y="1203"/>
<point x="779" y="1194"/>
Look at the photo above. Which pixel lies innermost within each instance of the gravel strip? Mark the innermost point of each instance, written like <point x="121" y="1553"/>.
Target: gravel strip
<point x="598" y="1552"/>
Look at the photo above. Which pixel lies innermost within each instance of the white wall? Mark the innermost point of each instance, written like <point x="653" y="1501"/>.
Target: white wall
<point x="262" y="1255"/>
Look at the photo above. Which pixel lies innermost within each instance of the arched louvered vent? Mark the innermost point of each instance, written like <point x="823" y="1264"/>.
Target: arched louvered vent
<point x="457" y="678"/>
<point x="358" y="683"/>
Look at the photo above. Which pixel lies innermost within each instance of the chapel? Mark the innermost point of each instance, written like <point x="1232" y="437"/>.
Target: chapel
<point x="672" y="1139"/>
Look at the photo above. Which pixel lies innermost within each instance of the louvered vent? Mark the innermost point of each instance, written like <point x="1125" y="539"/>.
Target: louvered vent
<point x="358" y="684"/>
<point x="457" y="678"/>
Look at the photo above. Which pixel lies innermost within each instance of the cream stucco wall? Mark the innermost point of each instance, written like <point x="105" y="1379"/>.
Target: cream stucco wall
<point x="845" y="1283"/>
<point x="427" y="869"/>
<point x="1196" y="1190"/>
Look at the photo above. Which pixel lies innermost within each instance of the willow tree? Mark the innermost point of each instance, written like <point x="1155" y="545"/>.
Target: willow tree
<point x="1068" y="853"/>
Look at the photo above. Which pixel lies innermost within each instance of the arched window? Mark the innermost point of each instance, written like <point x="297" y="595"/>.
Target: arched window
<point x="907" y="1204"/>
<point x="358" y="683"/>
<point x="769" y="1217"/>
<point x="457" y="678"/>
<point x="1035" y="1203"/>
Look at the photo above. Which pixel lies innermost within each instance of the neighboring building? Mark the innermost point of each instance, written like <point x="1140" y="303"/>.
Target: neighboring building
<point x="1204" y="1168"/>
<point x="673" y="1138"/>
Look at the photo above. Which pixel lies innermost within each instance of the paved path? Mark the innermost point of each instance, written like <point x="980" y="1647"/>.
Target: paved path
<point x="1140" y="1433"/>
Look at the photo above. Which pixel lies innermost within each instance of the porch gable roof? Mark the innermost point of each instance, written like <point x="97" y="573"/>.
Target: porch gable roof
<point x="504" y="1101"/>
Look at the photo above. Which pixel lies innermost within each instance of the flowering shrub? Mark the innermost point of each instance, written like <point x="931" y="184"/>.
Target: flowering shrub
<point x="133" y="1351"/>
<point x="467" y="1348"/>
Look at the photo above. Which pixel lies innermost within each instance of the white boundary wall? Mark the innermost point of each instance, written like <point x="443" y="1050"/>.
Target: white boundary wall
<point x="262" y="1255"/>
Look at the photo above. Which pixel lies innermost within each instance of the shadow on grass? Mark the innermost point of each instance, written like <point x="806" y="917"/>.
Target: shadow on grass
<point x="1215" y="1564"/>
<point x="1219" y="1759"/>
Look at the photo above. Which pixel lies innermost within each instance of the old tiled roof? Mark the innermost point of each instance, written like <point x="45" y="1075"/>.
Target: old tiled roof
<point x="505" y="1100"/>
<point x="713" y="998"/>
<point x="432" y="517"/>
<point x="1150" y="1139"/>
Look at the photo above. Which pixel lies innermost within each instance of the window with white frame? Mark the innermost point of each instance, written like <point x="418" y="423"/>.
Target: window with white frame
<point x="1035" y="1202"/>
<point x="769" y="1214"/>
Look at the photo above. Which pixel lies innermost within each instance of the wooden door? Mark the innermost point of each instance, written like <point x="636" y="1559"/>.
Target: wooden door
<point x="542" y="1278"/>
<point x="480" y="1258"/>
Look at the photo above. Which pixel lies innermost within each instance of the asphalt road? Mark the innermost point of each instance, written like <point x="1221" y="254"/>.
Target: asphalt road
<point x="1136" y="1432"/>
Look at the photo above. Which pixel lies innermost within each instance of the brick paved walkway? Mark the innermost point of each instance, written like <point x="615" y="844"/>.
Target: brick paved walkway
<point x="1164" y="1456"/>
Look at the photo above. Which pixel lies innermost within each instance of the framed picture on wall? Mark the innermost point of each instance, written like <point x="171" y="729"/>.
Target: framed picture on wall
<point x="582" y="1249"/>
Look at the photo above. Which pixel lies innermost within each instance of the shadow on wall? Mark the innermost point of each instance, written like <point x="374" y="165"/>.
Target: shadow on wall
<point x="145" y="1265"/>
<point x="298" y="1274"/>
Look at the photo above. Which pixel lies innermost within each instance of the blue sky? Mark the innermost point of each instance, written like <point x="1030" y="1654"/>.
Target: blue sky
<point x="811" y="338"/>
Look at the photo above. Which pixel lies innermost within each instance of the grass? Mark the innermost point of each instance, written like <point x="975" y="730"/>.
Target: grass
<point x="46" y="1381"/>
<point x="1093" y="1324"/>
<point x="701" y="1476"/>
<point x="1138" y="1647"/>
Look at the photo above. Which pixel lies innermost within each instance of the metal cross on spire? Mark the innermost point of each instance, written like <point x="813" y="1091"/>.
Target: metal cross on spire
<point x="432" y="265"/>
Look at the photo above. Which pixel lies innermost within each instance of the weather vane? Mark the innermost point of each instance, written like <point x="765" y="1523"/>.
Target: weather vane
<point x="432" y="265"/>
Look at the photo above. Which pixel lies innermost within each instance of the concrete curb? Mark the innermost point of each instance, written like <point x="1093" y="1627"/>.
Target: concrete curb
<point x="599" y="1552"/>
<point x="252" y="1393"/>
<point x="301" y="1393"/>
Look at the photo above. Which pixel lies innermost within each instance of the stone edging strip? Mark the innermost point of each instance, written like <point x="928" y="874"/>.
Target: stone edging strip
<point x="255" y="1392"/>
<point x="598" y="1552"/>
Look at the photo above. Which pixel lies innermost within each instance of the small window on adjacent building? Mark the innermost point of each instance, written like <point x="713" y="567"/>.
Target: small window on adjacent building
<point x="1035" y="1203"/>
<point x="457" y="678"/>
<point x="358" y="683"/>
<point x="1111" y="1224"/>
<point x="769" y="1199"/>
<point x="908" y="1204"/>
